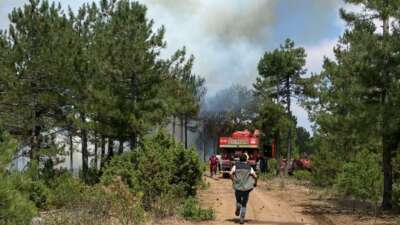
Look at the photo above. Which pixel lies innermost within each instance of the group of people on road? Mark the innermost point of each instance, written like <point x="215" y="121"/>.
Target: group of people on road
<point x="214" y="162"/>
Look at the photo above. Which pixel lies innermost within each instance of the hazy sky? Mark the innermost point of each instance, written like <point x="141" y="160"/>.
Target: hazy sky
<point x="228" y="37"/>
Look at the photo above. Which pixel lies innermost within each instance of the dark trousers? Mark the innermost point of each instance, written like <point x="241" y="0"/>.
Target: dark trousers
<point x="242" y="197"/>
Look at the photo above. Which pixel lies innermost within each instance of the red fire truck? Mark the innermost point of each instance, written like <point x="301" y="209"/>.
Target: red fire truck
<point x="238" y="143"/>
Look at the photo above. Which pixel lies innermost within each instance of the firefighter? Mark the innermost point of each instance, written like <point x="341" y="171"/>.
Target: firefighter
<point x="282" y="166"/>
<point x="244" y="180"/>
<point x="263" y="163"/>
<point x="213" y="165"/>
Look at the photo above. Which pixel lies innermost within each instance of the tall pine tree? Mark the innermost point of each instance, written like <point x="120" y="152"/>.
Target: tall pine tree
<point x="279" y="78"/>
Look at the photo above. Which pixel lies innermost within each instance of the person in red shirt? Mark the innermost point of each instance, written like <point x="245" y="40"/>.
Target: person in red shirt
<point x="213" y="165"/>
<point x="282" y="167"/>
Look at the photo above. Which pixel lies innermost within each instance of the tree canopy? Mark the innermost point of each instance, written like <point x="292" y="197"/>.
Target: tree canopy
<point x="96" y="73"/>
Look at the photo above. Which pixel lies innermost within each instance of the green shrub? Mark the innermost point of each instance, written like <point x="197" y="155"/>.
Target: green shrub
<point x="396" y="175"/>
<point x="60" y="191"/>
<point x="123" y="166"/>
<point x="36" y="189"/>
<point x="184" y="165"/>
<point x="303" y="175"/>
<point x="159" y="169"/>
<point x="7" y="151"/>
<point x="272" y="166"/>
<point x="325" y="166"/>
<point x="125" y="206"/>
<point x="15" y="206"/>
<point x="40" y="194"/>
<point x="47" y="173"/>
<point x="396" y="194"/>
<point x="361" y="178"/>
<point x="186" y="169"/>
<point x="153" y="176"/>
<point x="67" y="191"/>
<point x="166" y="204"/>
<point x="100" y="205"/>
<point x="192" y="211"/>
<point x="98" y="201"/>
<point x="265" y="176"/>
<point x="93" y="175"/>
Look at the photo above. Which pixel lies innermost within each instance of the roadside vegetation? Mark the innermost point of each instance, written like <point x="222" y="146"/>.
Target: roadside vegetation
<point x="92" y="82"/>
<point x="353" y="102"/>
<point x="156" y="180"/>
<point x="192" y="211"/>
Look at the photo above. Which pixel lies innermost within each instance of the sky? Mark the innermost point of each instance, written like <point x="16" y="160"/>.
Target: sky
<point x="228" y="37"/>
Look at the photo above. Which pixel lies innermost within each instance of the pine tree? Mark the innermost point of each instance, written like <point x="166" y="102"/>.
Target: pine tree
<point x="279" y="78"/>
<point x="356" y="106"/>
<point x="35" y="92"/>
<point x="95" y="73"/>
<point x="188" y="91"/>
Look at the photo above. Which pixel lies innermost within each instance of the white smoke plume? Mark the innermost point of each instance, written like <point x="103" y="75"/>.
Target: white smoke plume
<point x="225" y="20"/>
<point x="228" y="37"/>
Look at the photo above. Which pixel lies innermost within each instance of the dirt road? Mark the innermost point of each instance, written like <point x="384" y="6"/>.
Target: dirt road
<point x="270" y="204"/>
<point x="262" y="208"/>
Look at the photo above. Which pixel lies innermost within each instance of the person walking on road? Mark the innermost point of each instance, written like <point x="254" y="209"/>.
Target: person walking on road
<point x="213" y="165"/>
<point x="263" y="164"/>
<point x="244" y="180"/>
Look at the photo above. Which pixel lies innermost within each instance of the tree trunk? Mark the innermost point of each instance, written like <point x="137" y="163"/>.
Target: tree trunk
<point x="289" y="138"/>
<point x="186" y="132"/>
<point x="182" y="129"/>
<point x="71" y="153"/>
<point x="85" y="155"/>
<point x="173" y="126"/>
<point x="288" y="162"/>
<point x="110" y="149"/>
<point x="133" y="141"/>
<point x="103" y="151"/>
<point x="35" y="139"/>
<point x="278" y="152"/>
<point x="121" y="146"/>
<point x="135" y="94"/>
<point x="388" y="176"/>
<point x="95" y="151"/>
<point x="277" y="92"/>
<point x="387" y="147"/>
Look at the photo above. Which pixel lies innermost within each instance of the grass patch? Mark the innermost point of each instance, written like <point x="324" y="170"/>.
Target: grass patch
<point x="192" y="211"/>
